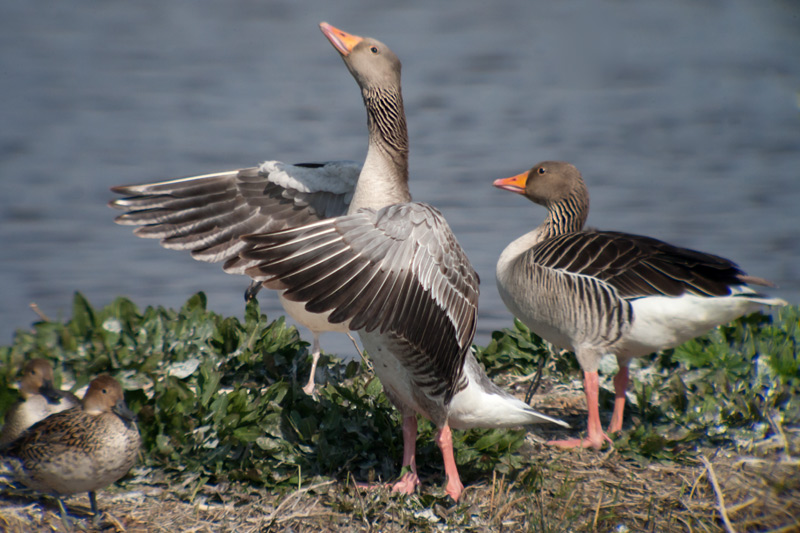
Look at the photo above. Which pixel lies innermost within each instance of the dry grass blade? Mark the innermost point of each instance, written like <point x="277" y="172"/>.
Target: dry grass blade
<point x="720" y="498"/>
<point x="293" y="498"/>
<point x="35" y="308"/>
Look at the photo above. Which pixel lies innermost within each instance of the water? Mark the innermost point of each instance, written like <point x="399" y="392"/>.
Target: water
<point x="683" y="118"/>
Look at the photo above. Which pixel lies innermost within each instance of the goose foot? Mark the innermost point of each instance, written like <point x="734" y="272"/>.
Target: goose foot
<point x="408" y="483"/>
<point x="409" y="480"/>
<point x="309" y="388"/>
<point x="580" y="443"/>
<point x="594" y="428"/>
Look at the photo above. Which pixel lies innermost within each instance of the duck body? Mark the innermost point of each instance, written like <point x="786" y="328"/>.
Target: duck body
<point x="82" y="449"/>
<point x="76" y="452"/>
<point x="39" y="399"/>
<point x="602" y="292"/>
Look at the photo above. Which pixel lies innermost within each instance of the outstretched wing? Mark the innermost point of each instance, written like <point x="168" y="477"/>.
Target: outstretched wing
<point x="398" y="270"/>
<point x="209" y="214"/>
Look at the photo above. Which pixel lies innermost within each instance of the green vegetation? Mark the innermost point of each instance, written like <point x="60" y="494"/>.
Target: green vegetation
<point x="220" y="398"/>
<point x="219" y="402"/>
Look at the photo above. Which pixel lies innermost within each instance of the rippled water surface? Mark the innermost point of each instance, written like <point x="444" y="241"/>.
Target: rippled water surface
<point x="683" y="118"/>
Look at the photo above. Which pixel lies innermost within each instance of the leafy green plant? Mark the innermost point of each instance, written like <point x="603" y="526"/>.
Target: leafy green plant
<point x="223" y="418"/>
<point x="519" y="351"/>
<point x="219" y="398"/>
<point x="732" y="385"/>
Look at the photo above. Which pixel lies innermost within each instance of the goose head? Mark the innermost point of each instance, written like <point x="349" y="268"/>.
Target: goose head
<point x="373" y="65"/>
<point x="548" y="183"/>
<point x="559" y="187"/>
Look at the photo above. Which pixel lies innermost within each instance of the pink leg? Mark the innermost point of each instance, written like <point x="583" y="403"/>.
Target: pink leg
<point x="408" y="480"/>
<point x="591" y="386"/>
<point x="315" y="350"/>
<point x="445" y="441"/>
<point x="620" y="386"/>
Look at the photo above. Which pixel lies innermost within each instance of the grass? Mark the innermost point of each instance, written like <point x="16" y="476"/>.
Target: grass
<point x="232" y="443"/>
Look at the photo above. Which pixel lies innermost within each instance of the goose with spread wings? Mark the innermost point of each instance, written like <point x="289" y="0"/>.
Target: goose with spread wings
<point x="392" y="270"/>
<point x="207" y="215"/>
<point x="398" y="277"/>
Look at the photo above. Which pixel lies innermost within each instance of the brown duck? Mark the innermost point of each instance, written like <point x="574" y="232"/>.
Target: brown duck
<point x="82" y="449"/>
<point x="39" y="399"/>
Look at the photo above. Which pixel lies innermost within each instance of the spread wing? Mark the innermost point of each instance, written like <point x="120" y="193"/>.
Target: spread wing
<point x="209" y="214"/>
<point x="398" y="270"/>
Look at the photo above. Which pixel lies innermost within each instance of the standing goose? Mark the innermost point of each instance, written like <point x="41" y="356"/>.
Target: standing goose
<point x="393" y="271"/>
<point x="82" y="449"/>
<point x="38" y="400"/>
<point x="602" y="292"/>
<point x="209" y="214"/>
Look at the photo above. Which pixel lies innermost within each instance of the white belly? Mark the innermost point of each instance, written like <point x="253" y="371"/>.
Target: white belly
<point x="395" y="378"/>
<point x="316" y="322"/>
<point x="661" y="322"/>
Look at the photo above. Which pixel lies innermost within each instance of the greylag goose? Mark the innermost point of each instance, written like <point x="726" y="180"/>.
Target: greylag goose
<point x="602" y="292"/>
<point x="208" y="214"/>
<point x="393" y="271"/>
<point x="38" y="400"/>
<point x="82" y="449"/>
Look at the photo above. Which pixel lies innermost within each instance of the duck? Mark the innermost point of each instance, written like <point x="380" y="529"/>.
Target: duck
<point x="599" y="293"/>
<point x="208" y="214"/>
<point x="393" y="271"/>
<point x="38" y="400"/>
<point x="81" y="449"/>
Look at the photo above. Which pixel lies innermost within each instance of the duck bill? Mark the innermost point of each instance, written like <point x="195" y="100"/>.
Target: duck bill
<point x="341" y="40"/>
<point x="514" y="183"/>
<point x="51" y="394"/>
<point x="122" y="411"/>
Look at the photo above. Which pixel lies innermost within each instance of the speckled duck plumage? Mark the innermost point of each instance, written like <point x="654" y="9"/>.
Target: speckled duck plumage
<point x="82" y="449"/>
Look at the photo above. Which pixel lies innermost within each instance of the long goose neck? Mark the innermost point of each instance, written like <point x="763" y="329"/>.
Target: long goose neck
<point x="384" y="177"/>
<point x="567" y="215"/>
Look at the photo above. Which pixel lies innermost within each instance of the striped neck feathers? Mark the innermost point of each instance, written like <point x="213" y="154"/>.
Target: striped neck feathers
<point x="384" y="177"/>
<point x="386" y="119"/>
<point x="567" y="215"/>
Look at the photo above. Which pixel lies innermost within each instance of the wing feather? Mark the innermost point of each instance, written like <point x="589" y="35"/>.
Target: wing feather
<point x="207" y="215"/>
<point x="638" y="266"/>
<point x="398" y="270"/>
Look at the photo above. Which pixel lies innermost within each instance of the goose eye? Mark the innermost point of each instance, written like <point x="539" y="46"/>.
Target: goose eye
<point x="373" y="49"/>
<point x="542" y="170"/>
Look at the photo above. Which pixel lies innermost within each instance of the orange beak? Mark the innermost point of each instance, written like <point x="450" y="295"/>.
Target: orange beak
<point x="514" y="183"/>
<point x="341" y="40"/>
